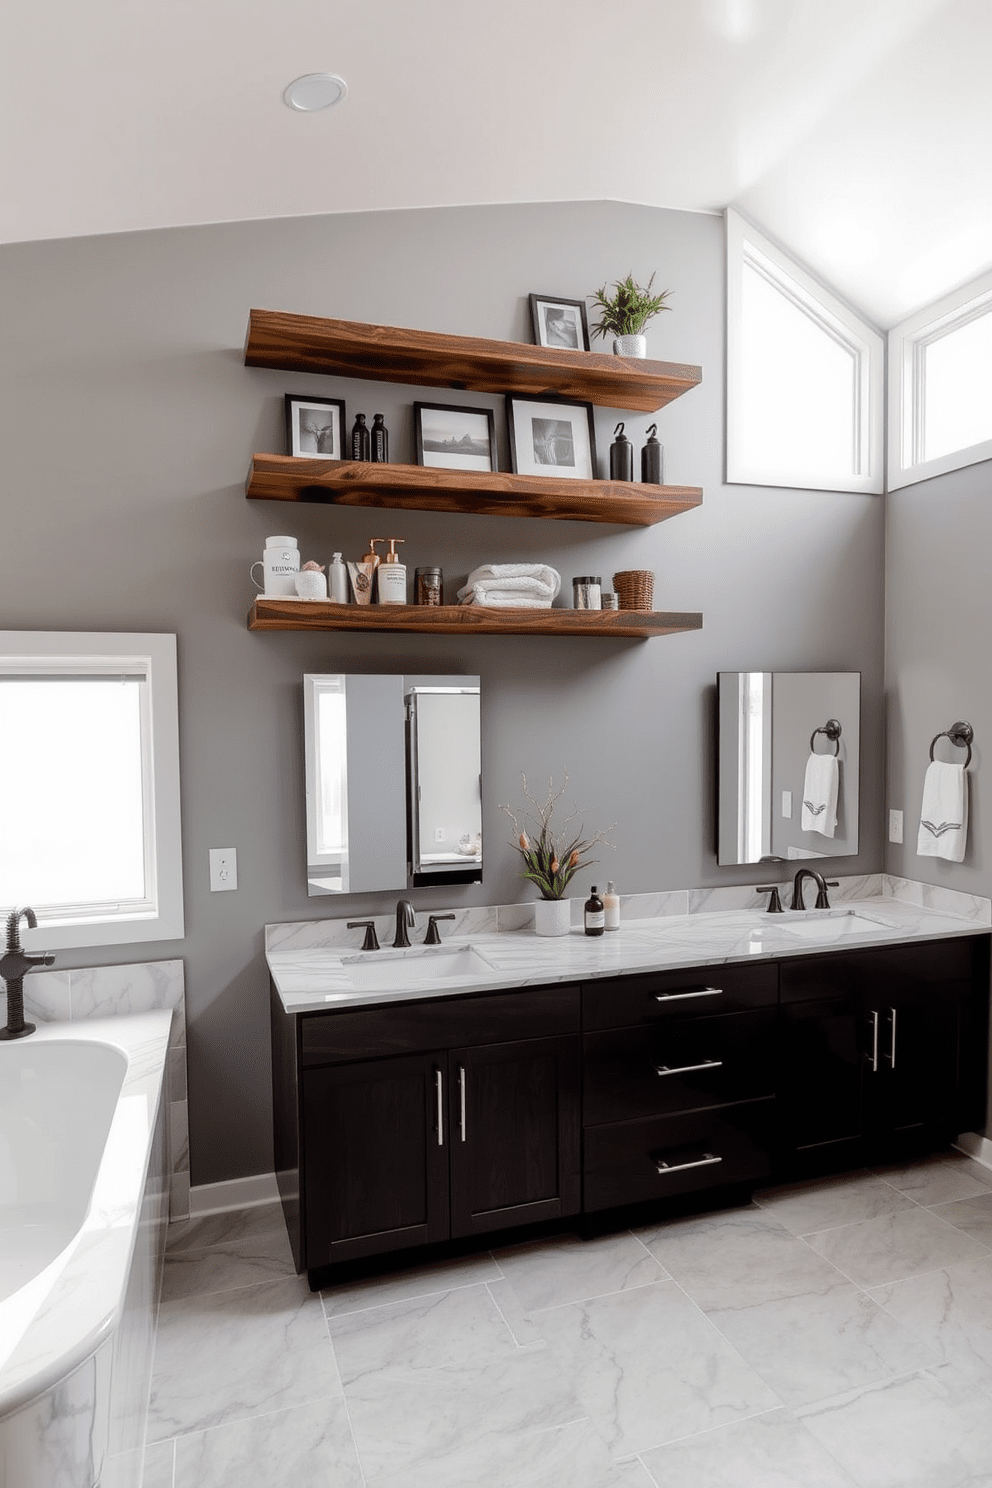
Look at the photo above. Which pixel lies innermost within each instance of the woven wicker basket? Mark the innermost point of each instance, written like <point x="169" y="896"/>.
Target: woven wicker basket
<point x="635" y="588"/>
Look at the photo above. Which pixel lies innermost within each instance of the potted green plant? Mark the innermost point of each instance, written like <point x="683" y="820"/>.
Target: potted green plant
<point x="624" y="314"/>
<point x="552" y="855"/>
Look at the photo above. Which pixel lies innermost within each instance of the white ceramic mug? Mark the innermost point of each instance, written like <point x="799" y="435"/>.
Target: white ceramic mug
<point x="280" y="563"/>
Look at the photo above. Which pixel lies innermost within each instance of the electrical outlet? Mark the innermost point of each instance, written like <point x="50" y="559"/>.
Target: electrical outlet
<point x="438" y="834"/>
<point x="223" y="869"/>
<point x="895" y="826"/>
<point x="786" y="803"/>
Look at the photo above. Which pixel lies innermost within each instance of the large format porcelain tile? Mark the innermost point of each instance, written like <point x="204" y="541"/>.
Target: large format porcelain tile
<point x="737" y="1257"/>
<point x="223" y="1357"/>
<point x="159" y="1465"/>
<point x="951" y="1310"/>
<point x="821" y="1344"/>
<point x="427" y="1379"/>
<point x="566" y="1269"/>
<point x="928" y="1430"/>
<point x="246" y="1262"/>
<point x="308" y="1446"/>
<point x="973" y="1216"/>
<point x="571" y="1456"/>
<point x="649" y="1367"/>
<point x="260" y="1223"/>
<point x="402" y="1285"/>
<point x="825" y="1203"/>
<point x="895" y="1246"/>
<point x="769" y="1451"/>
<point x="937" y="1180"/>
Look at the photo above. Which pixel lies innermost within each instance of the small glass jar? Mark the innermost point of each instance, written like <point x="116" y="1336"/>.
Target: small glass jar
<point x="429" y="586"/>
<point x="609" y="601"/>
<point x="586" y="592"/>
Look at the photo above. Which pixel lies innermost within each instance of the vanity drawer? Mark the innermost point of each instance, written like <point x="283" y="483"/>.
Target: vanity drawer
<point x="441" y="1023"/>
<point x="678" y="1066"/>
<point x="619" y="1002"/>
<point x="631" y="1162"/>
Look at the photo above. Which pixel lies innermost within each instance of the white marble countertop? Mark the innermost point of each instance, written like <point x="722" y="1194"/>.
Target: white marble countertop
<point x="318" y="977"/>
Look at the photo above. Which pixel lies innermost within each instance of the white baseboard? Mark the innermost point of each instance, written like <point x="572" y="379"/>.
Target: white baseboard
<point x="972" y="1145"/>
<point x="232" y="1193"/>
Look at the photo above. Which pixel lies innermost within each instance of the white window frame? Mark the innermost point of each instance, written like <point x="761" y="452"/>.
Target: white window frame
<point x="90" y="653"/>
<point x="747" y="246"/>
<point x="907" y="384"/>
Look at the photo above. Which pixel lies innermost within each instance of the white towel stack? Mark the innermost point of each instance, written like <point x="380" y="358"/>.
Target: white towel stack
<point x="944" y="814"/>
<point x="530" y="586"/>
<point x="820" y="794"/>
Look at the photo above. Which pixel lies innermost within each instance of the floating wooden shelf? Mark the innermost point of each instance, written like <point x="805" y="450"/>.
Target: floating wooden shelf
<point x="285" y="614"/>
<point x="307" y="343"/>
<point x="420" y="488"/>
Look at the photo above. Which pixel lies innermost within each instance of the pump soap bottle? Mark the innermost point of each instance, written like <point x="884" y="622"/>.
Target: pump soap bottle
<point x="392" y="574"/>
<point x="337" y="580"/>
<point x="363" y="574"/>
<point x="611" y="907"/>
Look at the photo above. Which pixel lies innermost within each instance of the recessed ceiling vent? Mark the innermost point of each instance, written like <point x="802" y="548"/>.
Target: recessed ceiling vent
<point x="316" y="90"/>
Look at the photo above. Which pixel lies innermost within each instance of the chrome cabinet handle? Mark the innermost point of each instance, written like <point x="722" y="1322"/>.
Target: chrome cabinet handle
<point x="874" y="1042"/>
<point x="700" y="1162"/>
<point x="439" y="1090"/>
<point x="461" y="1097"/>
<point x="678" y="996"/>
<point x="891" y="1056"/>
<point x="685" y="1069"/>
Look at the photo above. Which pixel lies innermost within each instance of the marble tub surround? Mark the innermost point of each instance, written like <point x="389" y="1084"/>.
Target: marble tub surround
<point x="110" y="991"/>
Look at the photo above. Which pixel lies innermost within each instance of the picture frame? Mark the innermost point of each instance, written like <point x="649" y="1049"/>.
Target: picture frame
<point x="551" y="436"/>
<point x="315" y="427"/>
<point x="559" y="323"/>
<point x="451" y="436"/>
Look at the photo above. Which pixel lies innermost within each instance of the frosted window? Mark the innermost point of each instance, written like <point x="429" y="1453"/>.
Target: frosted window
<point x="799" y="388"/>
<point x="957" y="371"/>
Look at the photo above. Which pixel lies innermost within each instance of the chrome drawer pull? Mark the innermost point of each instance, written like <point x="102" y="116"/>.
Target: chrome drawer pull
<point x="700" y="1162"/>
<point x="678" y="996"/>
<point x="685" y="1069"/>
<point x="440" y="1107"/>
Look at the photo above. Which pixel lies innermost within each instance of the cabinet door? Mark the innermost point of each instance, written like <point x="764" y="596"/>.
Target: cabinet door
<point x="375" y="1157"/>
<point x="824" y="1068"/>
<point x="914" y="1090"/>
<point x="514" y="1122"/>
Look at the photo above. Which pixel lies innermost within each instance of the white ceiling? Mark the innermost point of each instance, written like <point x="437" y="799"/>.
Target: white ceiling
<point x="856" y="132"/>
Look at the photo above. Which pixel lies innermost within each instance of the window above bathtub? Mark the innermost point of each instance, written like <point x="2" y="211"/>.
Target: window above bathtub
<point x="89" y="786"/>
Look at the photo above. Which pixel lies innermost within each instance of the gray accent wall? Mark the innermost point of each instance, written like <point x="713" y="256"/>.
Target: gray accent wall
<point x="128" y="420"/>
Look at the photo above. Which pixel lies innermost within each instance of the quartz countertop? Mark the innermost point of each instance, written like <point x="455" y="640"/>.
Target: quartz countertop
<point x="317" y="978"/>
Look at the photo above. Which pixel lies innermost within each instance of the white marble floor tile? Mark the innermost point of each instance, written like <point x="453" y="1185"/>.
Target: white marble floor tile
<point x="228" y="1355"/>
<point x="572" y="1456"/>
<point x="895" y="1246"/>
<point x="403" y="1285"/>
<point x="927" y="1430"/>
<point x="427" y="1378"/>
<point x="567" y="1269"/>
<point x="935" y="1180"/>
<point x="525" y="1331"/>
<point x="160" y="1459"/>
<point x="258" y="1223"/>
<point x="770" y="1451"/>
<point x="236" y="1263"/>
<point x="308" y="1446"/>
<point x="973" y="1216"/>
<point x="738" y="1256"/>
<point x="824" y="1203"/>
<point x="649" y="1367"/>
<point x="951" y="1310"/>
<point x="821" y="1344"/>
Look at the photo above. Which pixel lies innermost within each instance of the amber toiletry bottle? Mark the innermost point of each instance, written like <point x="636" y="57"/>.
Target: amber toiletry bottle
<point x="595" y="915"/>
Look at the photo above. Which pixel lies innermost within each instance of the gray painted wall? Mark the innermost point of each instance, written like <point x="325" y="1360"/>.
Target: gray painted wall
<point x="128" y="419"/>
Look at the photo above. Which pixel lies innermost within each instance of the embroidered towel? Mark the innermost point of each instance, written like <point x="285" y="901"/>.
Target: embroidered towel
<point x="510" y="585"/>
<point x="820" y="794"/>
<point x="944" y="815"/>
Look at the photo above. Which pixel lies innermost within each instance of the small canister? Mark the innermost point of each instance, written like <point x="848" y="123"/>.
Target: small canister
<point x="609" y="601"/>
<point x="587" y="592"/>
<point x="429" y="586"/>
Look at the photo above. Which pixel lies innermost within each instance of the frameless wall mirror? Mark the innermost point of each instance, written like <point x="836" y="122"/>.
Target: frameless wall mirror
<point x="788" y="756"/>
<point x="393" y="781"/>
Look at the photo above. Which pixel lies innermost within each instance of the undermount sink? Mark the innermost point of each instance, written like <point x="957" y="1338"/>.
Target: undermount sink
<point x="829" y="928"/>
<point x="383" y="972"/>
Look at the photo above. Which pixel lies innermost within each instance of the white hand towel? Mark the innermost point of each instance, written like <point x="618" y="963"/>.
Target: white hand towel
<point x="944" y="814"/>
<point x="820" y="794"/>
<point x="532" y="585"/>
<point x="506" y="599"/>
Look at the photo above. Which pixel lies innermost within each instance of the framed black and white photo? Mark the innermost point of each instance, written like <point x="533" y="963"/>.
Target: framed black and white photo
<point x="315" y="427"/>
<point x="551" y="437"/>
<point x="559" y="323"/>
<point x="452" y="438"/>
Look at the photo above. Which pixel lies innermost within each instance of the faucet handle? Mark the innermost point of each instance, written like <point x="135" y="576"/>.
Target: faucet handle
<point x="822" y="902"/>
<point x="774" y="902"/>
<point x="371" y="941"/>
<point x="433" y="936"/>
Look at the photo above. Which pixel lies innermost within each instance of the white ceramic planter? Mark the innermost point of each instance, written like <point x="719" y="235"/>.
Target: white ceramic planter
<point x="552" y="916"/>
<point x="630" y="346"/>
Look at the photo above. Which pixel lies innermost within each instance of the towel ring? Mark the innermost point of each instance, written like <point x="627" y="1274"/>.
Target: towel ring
<point x="960" y="734"/>
<point x="833" y="731"/>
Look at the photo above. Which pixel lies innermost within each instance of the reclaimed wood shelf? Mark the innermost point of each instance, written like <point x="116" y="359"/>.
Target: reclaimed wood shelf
<point x="491" y="494"/>
<point x="286" y="614"/>
<point x="348" y="348"/>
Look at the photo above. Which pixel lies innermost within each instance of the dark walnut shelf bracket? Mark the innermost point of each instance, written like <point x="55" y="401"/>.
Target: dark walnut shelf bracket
<point x="284" y="614"/>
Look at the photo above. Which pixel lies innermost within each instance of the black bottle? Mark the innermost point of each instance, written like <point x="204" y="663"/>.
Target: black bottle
<point x="653" y="460"/>
<point x="621" y="456"/>
<point x="595" y="914"/>
<point x="361" y="444"/>
<point x="380" y="441"/>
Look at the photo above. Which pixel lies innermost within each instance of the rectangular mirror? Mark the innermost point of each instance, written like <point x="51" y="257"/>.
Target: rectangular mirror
<point x="393" y="781"/>
<point x="788" y="756"/>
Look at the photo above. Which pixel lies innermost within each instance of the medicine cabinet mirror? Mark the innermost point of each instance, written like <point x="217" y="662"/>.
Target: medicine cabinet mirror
<point x="769" y="726"/>
<point x="393" y="781"/>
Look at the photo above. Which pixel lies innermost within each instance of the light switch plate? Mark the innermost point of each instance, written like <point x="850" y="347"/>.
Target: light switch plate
<point x="895" y="826"/>
<point x="223" y="869"/>
<point x="786" y="803"/>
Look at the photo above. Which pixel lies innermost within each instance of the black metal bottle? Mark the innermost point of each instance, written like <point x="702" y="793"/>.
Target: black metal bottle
<point x="361" y="443"/>
<point x="653" y="459"/>
<point x="621" y="456"/>
<point x="380" y="441"/>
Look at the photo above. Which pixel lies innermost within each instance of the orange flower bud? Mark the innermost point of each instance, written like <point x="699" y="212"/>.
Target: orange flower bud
<point x="525" y="845"/>
<point x="554" y="865"/>
<point x="573" y="860"/>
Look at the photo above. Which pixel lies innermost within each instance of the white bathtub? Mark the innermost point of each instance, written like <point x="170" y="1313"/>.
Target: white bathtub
<point x="82" y="1225"/>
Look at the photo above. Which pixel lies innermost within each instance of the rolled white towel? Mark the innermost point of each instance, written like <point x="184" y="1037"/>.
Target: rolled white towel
<point x="944" y="814"/>
<point x="505" y="599"/>
<point x="530" y="584"/>
<point x="820" y="790"/>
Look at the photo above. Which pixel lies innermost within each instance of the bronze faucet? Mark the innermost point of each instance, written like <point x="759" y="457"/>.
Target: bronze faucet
<point x="14" y="966"/>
